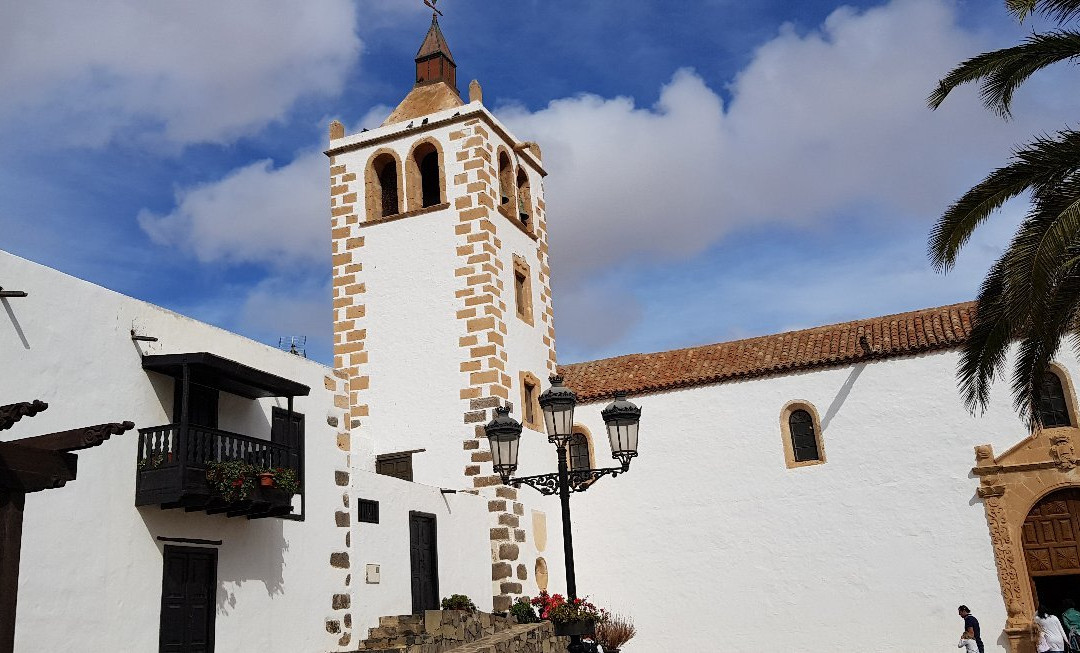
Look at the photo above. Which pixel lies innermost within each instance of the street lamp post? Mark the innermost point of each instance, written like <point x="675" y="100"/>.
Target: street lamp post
<point x="504" y="434"/>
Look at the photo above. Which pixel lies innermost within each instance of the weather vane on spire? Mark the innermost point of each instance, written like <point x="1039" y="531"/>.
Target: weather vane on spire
<point x="431" y="3"/>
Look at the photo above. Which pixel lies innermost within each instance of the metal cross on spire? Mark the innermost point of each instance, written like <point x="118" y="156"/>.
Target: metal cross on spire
<point x="431" y="3"/>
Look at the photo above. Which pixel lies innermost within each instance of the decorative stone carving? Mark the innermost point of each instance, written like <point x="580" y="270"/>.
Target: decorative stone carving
<point x="1005" y="557"/>
<point x="1063" y="451"/>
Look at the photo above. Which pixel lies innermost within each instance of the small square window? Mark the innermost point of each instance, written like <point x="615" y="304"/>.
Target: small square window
<point x="368" y="511"/>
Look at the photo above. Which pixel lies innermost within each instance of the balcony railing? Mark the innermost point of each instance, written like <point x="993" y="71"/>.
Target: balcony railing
<point x="172" y="463"/>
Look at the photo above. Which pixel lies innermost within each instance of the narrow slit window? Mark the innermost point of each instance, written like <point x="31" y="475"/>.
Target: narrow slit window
<point x="522" y="290"/>
<point x="804" y="443"/>
<point x="530" y="400"/>
<point x="1053" y="409"/>
<point x="519" y="292"/>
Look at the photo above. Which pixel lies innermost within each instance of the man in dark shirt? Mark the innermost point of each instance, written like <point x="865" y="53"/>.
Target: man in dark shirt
<point x="971" y="627"/>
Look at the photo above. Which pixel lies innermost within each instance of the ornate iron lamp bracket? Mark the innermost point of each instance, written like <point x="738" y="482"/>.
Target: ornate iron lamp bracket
<point x="578" y="480"/>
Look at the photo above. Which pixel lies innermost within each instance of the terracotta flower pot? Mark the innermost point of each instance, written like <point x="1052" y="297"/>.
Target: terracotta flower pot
<point x="266" y="479"/>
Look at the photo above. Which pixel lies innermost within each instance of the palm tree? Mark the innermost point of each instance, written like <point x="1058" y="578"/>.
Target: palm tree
<point x="1032" y="293"/>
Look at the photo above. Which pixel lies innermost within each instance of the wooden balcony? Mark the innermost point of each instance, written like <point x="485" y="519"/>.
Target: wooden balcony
<point x="172" y="464"/>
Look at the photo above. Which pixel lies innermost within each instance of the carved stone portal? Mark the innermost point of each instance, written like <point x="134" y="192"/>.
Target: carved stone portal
<point x="1010" y="485"/>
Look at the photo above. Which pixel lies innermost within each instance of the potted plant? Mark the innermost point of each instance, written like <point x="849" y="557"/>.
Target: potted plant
<point x="614" y="632"/>
<point x="286" y="480"/>
<point x="266" y="479"/>
<point x="234" y="480"/>
<point x="576" y="617"/>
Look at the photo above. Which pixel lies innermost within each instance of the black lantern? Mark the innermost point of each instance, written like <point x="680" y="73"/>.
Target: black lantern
<point x="558" y="403"/>
<point x="622" y="419"/>
<point x="503" y="434"/>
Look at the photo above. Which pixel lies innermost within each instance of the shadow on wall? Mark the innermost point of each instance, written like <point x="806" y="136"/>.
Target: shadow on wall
<point x="252" y="551"/>
<point x="15" y="323"/>
<point x="841" y="396"/>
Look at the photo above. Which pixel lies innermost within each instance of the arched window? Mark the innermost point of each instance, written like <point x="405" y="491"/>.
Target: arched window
<point x="579" y="454"/>
<point x="803" y="439"/>
<point x="506" y="182"/>
<point x="524" y="198"/>
<point x="801" y="431"/>
<point x="425" y="182"/>
<point x="383" y="196"/>
<point x="1053" y="409"/>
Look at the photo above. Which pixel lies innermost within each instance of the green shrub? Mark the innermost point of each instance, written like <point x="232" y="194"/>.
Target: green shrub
<point x="458" y="602"/>
<point x="523" y="611"/>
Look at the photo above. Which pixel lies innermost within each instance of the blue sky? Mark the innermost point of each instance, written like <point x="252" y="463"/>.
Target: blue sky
<point x="718" y="169"/>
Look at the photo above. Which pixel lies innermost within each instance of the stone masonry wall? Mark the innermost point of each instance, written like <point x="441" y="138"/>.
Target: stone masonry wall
<point x="340" y="620"/>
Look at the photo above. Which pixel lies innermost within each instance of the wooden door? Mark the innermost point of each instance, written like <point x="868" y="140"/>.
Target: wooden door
<point x="188" y="597"/>
<point x="1050" y="535"/>
<point x="291" y="436"/>
<point x="424" y="558"/>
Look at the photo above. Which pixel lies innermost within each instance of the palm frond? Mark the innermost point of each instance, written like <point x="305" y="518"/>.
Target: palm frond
<point x="1002" y="71"/>
<point x="1020" y="8"/>
<point x="1051" y="231"/>
<point x="1060" y="11"/>
<point x="982" y="358"/>
<point x="1050" y="321"/>
<point x="1041" y="164"/>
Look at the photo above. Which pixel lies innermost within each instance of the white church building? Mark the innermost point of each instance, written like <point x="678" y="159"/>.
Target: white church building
<point x="818" y="490"/>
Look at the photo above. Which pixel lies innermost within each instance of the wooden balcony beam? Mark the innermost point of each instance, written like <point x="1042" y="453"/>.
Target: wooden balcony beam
<point x="12" y="413"/>
<point x="75" y="439"/>
<point x="31" y="470"/>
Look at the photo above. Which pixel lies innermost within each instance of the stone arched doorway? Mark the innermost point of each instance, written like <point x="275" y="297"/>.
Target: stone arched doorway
<point x="1035" y="536"/>
<point x="1051" y="542"/>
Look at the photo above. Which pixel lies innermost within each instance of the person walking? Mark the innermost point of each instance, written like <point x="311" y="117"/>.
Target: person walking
<point x="1051" y="636"/>
<point x="971" y="627"/>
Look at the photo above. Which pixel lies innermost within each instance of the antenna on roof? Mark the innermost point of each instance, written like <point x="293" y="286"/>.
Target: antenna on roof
<point x="296" y="345"/>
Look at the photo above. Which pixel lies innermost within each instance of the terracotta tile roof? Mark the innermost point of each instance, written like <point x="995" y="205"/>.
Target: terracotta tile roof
<point x="889" y="336"/>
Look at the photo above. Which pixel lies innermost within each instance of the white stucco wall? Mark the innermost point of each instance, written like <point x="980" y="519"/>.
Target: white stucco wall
<point x="711" y="533"/>
<point x="92" y="564"/>
<point x="464" y="562"/>
<point x="412" y="343"/>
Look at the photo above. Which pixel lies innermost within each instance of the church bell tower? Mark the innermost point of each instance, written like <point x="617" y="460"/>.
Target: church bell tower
<point x="441" y="278"/>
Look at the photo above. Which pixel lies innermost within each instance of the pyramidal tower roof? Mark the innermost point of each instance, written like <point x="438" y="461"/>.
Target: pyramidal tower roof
<point x="436" y="79"/>
<point x="434" y="43"/>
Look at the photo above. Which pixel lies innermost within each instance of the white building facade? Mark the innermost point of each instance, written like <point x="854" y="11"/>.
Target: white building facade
<point x="95" y="566"/>
<point x="818" y="490"/>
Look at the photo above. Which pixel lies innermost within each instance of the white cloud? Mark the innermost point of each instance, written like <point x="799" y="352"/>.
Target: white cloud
<point x="819" y="124"/>
<point x="257" y="213"/>
<point x="829" y="121"/>
<point x="195" y="71"/>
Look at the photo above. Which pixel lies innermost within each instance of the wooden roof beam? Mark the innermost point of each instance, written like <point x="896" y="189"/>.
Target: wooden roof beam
<point x="75" y="439"/>
<point x="12" y="413"/>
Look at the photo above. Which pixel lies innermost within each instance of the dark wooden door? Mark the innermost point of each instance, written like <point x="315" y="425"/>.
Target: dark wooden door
<point x="188" y="596"/>
<point x="202" y="405"/>
<point x="424" y="557"/>
<point x="291" y="436"/>
<point x="1051" y="535"/>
